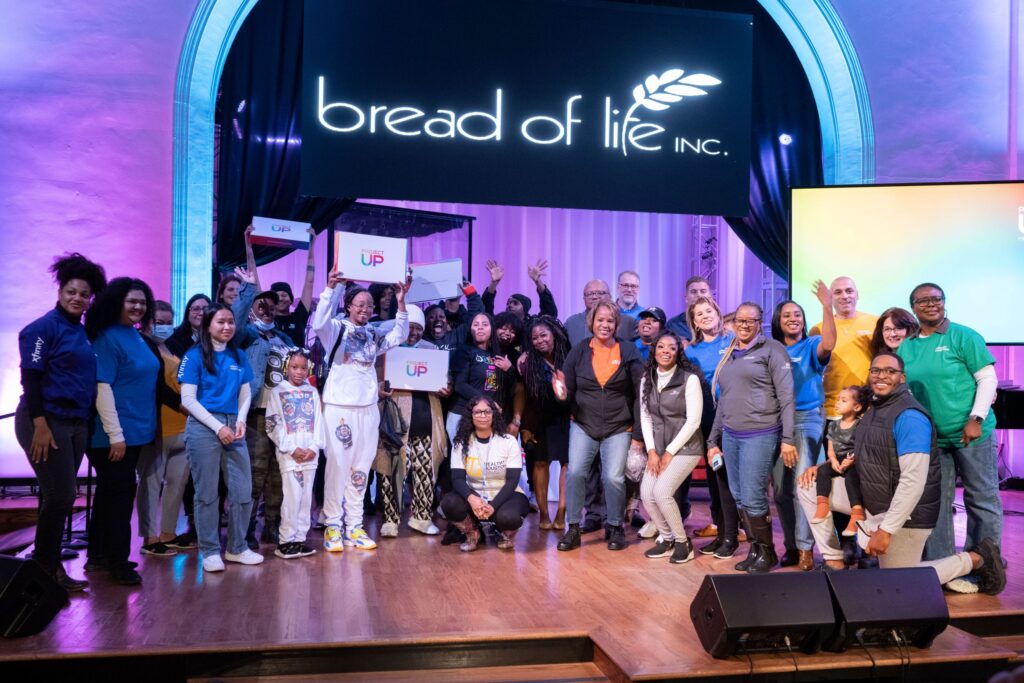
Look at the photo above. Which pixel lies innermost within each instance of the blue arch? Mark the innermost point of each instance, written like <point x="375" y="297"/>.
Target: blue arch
<point x="812" y="26"/>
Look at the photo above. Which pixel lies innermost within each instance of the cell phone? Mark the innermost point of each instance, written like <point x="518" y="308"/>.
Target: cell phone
<point x="387" y="385"/>
<point x="717" y="461"/>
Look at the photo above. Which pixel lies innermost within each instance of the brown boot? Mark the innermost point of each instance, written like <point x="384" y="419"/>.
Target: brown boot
<point x="821" y="513"/>
<point x="708" y="531"/>
<point x="472" y="532"/>
<point x="856" y="515"/>
<point x="506" y="540"/>
<point x="806" y="562"/>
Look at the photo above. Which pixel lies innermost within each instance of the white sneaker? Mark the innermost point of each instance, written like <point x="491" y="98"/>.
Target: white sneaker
<point x="213" y="563"/>
<point x="359" y="539"/>
<point x="424" y="526"/>
<point x="961" y="585"/>
<point x="245" y="557"/>
<point x="649" y="530"/>
<point x="389" y="529"/>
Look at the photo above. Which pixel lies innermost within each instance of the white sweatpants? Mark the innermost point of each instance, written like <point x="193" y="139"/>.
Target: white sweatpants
<point x="297" y="498"/>
<point x="658" y="494"/>
<point x="352" y="435"/>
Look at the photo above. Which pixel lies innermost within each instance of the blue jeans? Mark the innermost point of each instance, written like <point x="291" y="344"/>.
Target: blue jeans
<point x="582" y="451"/>
<point x="208" y="457"/>
<point x="749" y="460"/>
<point x="979" y="472"/>
<point x="808" y="429"/>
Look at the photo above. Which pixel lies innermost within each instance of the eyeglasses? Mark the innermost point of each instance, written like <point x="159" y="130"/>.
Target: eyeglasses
<point x="198" y="309"/>
<point x="894" y="330"/>
<point x="929" y="300"/>
<point x="884" y="372"/>
<point x="362" y="307"/>
<point x="625" y="286"/>
<point x="595" y="293"/>
<point x="746" y="322"/>
<point x="482" y="413"/>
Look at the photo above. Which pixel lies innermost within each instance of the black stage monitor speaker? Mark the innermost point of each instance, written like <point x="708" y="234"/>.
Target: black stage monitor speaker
<point x="872" y="603"/>
<point x="758" y="612"/>
<point x="29" y="598"/>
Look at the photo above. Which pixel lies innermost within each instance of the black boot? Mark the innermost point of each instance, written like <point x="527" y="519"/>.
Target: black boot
<point x="67" y="583"/>
<point x="761" y="536"/>
<point x="754" y="551"/>
<point x="616" y="538"/>
<point x="571" y="539"/>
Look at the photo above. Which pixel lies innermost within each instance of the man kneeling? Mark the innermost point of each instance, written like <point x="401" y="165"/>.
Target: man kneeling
<point x="895" y="447"/>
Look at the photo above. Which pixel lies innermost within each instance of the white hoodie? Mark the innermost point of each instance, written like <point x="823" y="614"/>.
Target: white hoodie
<point x="295" y="420"/>
<point x="353" y="379"/>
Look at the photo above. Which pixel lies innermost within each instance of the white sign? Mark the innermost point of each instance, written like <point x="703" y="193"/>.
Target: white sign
<point x="368" y="258"/>
<point x="414" y="369"/>
<point x="433" y="281"/>
<point x="274" y="232"/>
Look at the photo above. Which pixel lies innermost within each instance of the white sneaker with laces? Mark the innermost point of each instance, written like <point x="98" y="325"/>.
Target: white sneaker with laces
<point x="389" y="529"/>
<point x="245" y="557"/>
<point x="213" y="563"/>
<point x="649" y="530"/>
<point x="424" y="526"/>
<point x="359" y="539"/>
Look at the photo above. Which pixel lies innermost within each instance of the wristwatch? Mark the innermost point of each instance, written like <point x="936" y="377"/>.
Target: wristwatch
<point x="977" y="418"/>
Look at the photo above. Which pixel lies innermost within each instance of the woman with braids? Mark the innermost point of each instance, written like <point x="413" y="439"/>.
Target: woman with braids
<point x="480" y="368"/>
<point x="486" y="464"/>
<point x="671" y="405"/>
<point x="545" y="419"/>
<point x="128" y="371"/>
<point x="58" y="378"/>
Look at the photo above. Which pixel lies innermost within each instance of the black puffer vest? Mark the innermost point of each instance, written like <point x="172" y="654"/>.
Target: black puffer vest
<point x="668" y="414"/>
<point x="878" y="466"/>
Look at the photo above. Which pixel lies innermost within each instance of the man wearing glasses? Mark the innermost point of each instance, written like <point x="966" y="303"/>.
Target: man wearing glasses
<point x="594" y="292"/>
<point x="629" y="294"/>
<point x="951" y="372"/>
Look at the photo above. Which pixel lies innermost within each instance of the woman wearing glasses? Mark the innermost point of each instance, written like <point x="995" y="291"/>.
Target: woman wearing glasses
<point x="486" y="465"/>
<point x="893" y="327"/>
<point x="350" y="394"/>
<point x="951" y="372"/>
<point x="753" y="427"/>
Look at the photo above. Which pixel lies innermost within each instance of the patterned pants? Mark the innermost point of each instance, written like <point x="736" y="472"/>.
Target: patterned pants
<point x="421" y="474"/>
<point x="266" y="475"/>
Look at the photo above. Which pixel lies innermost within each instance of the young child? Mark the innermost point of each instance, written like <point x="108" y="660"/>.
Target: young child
<point x="851" y="404"/>
<point x="295" y="425"/>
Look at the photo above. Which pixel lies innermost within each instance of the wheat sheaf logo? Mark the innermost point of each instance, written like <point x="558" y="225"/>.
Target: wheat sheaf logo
<point x="658" y="93"/>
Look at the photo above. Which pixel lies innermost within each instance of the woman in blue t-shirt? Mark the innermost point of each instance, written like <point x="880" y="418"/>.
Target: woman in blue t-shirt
<point x="127" y="373"/>
<point x="709" y="343"/>
<point x="58" y="376"/>
<point x="809" y="356"/>
<point x="214" y="377"/>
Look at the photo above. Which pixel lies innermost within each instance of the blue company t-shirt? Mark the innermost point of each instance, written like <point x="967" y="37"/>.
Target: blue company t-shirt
<point x="913" y="432"/>
<point x="807" y="371"/>
<point x="218" y="393"/>
<point x="706" y="354"/>
<point x="59" y="349"/>
<point x="125" y="362"/>
<point x="644" y="349"/>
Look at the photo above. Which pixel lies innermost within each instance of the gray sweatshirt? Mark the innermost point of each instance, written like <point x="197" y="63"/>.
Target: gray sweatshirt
<point x="757" y="392"/>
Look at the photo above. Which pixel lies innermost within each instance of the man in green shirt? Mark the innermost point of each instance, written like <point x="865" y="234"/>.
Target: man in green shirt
<point x="952" y="374"/>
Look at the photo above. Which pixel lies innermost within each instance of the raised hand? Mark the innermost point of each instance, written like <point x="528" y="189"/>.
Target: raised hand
<point x="248" y="233"/>
<point x="538" y="271"/>
<point x="246" y="276"/>
<point x="335" y="278"/>
<point x="495" y="270"/>
<point x="823" y="293"/>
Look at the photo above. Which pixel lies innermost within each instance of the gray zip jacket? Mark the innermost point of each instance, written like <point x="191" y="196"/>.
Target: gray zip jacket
<point x="757" y="392"/>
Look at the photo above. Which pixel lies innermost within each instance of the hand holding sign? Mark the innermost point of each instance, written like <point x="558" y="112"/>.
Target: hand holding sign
<point x="371" y="258"/>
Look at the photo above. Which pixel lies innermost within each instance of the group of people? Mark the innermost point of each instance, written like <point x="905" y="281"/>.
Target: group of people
<point x="248" y="401"/>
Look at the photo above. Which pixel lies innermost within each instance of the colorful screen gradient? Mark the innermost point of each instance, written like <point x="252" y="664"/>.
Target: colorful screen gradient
<point x="968" y="238"/>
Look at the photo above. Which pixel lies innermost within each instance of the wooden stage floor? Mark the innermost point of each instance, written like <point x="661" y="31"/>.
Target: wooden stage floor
<point x="413" y="590"/>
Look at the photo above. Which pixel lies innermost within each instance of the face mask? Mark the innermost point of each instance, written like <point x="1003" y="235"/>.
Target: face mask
<point x="162" y="332"/>
<point x="264" y="327"/>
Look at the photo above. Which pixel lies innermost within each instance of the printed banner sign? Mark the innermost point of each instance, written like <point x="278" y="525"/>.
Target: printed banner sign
<point x="368" y="258"/>
<point x="416" y="369"/>
<point x="434" y="281"/>
<point x="274" y="232"/>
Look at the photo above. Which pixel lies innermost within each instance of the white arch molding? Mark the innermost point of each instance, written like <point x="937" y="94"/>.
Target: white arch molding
<point x="812" y="27"/>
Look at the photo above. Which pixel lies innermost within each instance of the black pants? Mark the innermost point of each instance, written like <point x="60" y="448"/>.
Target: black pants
<point x="826" y="474"/>
<point x="110" y="528"/>
<point x="508" y="517"/>
<point x="728" y="528"/>
<point x="57" y="479"/>
<point x="682" y="498"/>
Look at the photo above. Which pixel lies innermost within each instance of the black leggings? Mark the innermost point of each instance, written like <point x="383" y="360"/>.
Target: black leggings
<point x="110" y="527"/>
<point x="826" y="474"/>
<point x="508" y="517"/>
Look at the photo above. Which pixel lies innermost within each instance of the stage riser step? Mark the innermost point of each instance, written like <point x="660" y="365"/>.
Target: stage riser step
<point x="543" y="673"/>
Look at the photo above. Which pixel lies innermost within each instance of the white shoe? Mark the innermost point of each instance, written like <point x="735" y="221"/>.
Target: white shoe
<point x="961" y="585"/>
<point x="649" y="530"/>
<point x="245" y="557"/>
<point x="424" y="526"/>
<point x="389" y="529"/>
<point x="213" y="563"/>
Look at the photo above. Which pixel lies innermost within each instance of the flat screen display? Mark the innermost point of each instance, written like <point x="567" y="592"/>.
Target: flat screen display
<point x="558" y="103"/>
<point x="968" y="238"/>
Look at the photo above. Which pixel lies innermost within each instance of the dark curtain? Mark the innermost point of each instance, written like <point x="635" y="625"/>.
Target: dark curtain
<point x="782" y="103"/>
<point x="260" y="143"/>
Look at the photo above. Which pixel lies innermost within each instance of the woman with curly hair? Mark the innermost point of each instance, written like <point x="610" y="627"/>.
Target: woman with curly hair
<point x="671" y="405"/>
<point x="545" y="419"/>
<point x="486" y="464"/>
<point x="127" y="373"/>
<point x="58" y="378"/>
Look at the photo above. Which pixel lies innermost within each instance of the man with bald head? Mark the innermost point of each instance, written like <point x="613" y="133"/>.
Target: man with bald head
<point x="594" y="292"/>
<point x="851" y="357"/>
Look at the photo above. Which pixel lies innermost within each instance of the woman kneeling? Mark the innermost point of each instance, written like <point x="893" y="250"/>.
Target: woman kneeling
<point x="486" y="464"/>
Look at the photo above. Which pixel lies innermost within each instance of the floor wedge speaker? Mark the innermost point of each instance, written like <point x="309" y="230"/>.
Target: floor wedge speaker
<point x="29" y="598"/>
